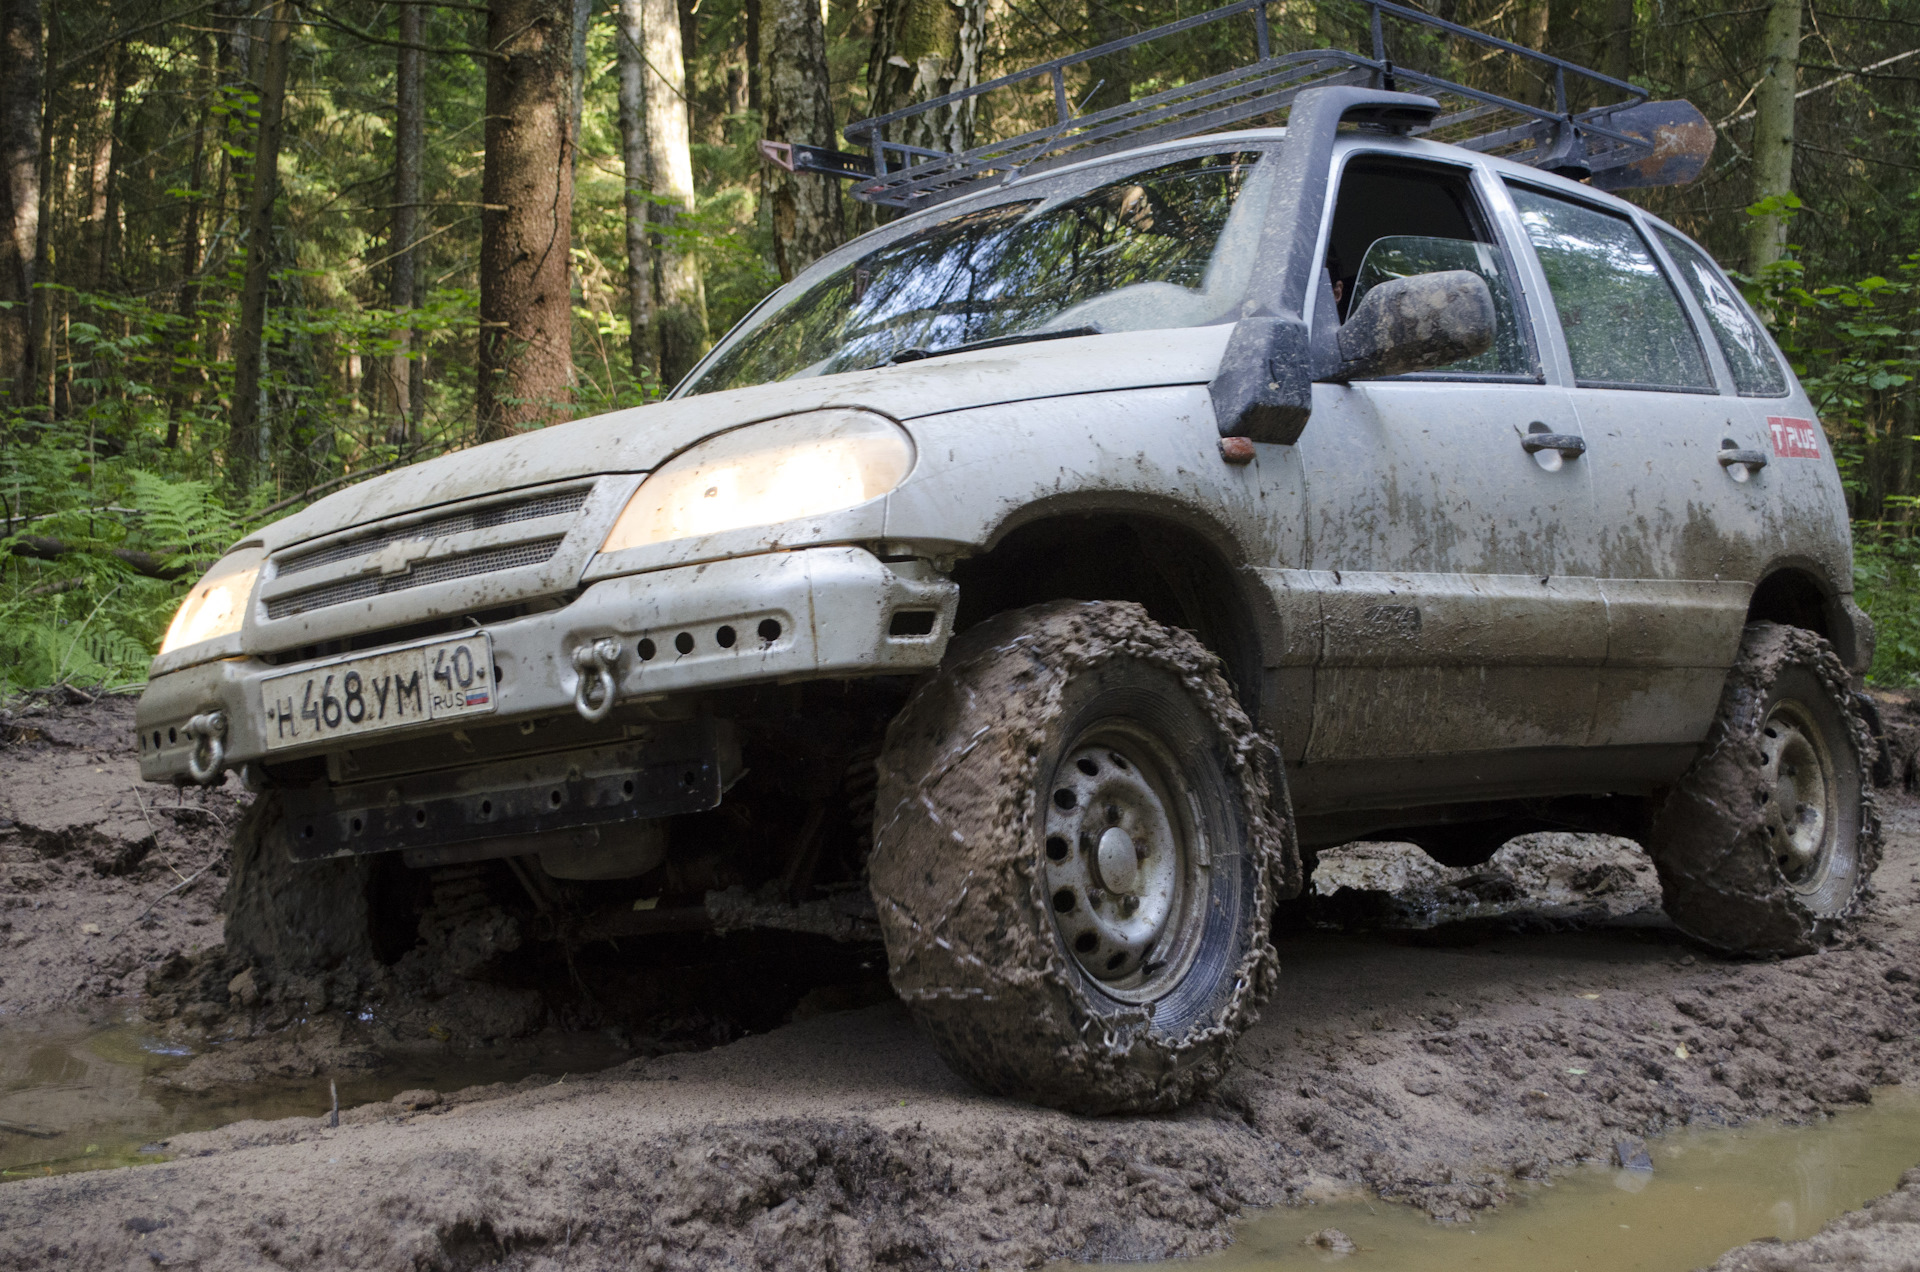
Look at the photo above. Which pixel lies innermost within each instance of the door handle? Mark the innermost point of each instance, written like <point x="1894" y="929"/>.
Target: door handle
<point x="1537" y="439"/>
<point x="1731" y="455"/>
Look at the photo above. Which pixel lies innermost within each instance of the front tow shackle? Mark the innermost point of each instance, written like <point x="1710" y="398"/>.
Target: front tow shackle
<point x="207" y="761"/>
<point x="595" y="663"/>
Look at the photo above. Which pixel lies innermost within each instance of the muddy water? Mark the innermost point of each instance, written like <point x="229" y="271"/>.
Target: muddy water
<point x="75" y="1095"/>
<point x="1708" y="1192"/>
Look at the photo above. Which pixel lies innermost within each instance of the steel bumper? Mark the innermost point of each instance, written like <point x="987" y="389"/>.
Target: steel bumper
<point x="802" y="615"/>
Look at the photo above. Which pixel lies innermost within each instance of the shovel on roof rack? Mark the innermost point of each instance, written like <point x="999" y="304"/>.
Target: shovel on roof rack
<point x="1628" y="141"/>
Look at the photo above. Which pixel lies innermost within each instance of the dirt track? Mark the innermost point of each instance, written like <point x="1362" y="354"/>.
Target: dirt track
<point x="1435" y="1067"/>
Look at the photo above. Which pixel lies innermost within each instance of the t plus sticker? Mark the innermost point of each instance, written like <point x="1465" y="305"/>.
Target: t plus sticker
<point x="1794" y="439"/>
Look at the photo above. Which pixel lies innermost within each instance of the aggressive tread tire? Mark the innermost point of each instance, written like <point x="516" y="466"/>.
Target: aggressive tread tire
<point x="960" y="880"/>
<point x="1721" y="875"/>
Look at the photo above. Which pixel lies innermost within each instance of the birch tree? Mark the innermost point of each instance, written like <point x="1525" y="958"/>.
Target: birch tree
<point x="22" y="69"/>
<point x="681" y="313"/>
<point x="1773" y="105"/>
<point x="642" y="343"/>
<point x="924" y="49"/>
<point x="806" y="208"/>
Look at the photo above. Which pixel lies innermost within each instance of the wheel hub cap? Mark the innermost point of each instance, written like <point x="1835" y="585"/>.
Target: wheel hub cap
<point x="1112" y="862"/>
<point x="1796" y="793"/>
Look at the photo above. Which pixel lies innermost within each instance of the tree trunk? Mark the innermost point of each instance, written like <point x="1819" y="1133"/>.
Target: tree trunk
<point x="189" y="302"/>
<point x="1619" y="61"/>
<point x="1109" y="79"/>
<point x="1773" y="130"/>
<point x="642" y="339"/>
<point x="409" y="140"/>
<point x="681" y="316"/>
<point x="22" y="69"/>
<point x="100" y="178"/>
<point x="806" y="207"/>
<point x="247" y="442"/>
<point x="750" y="14"/>
<point x="526" y="225"/>
<point x="924" y="49"/>
<point x="577" y="73"/>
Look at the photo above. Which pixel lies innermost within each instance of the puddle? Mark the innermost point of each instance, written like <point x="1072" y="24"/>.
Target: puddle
<point x="74" y="1093"/>
<point x="1709" y="1192"/>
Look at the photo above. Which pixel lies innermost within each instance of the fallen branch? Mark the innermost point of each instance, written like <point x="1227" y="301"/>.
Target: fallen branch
<point x="40" y="547"/>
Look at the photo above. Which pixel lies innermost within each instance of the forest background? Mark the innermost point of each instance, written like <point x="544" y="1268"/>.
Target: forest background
<point x="251" y="250"/>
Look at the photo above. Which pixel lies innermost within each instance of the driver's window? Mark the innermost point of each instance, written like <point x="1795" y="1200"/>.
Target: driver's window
<point x="1394" y="220"/>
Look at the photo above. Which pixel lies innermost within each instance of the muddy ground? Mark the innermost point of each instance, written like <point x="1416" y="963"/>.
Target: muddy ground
<point x="1549" y="1015"/>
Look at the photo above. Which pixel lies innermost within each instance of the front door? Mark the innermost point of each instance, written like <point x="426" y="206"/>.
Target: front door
<point x="1460" y="622"/>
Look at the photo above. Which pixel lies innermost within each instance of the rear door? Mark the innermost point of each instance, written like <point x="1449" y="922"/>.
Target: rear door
<point x="1678" y="534"/>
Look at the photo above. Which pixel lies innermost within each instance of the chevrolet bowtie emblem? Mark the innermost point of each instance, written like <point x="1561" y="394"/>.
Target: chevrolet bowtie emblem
<point x="397" y="557"/>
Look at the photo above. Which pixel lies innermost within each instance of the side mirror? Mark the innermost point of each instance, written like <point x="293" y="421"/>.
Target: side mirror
<point x="1416" y="324"/>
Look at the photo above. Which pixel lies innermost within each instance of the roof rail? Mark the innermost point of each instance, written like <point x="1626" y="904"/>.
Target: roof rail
<point x="1628" y="141"/>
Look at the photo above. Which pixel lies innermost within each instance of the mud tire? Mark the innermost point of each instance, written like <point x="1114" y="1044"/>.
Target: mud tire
<point x="959" y="871"/>
<point x="1720" y="872"/>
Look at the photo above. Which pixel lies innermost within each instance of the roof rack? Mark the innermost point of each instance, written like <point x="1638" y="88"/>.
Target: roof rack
<point x="1627" y="142"/>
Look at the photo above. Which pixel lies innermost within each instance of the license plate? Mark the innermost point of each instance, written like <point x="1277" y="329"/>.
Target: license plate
<point x="354" y="696"/>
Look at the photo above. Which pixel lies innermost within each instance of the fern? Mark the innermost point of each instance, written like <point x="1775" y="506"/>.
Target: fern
<point x="185" y="520"/>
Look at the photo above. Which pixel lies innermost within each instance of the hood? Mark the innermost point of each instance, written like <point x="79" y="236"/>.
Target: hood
<point x="639" y="439"/>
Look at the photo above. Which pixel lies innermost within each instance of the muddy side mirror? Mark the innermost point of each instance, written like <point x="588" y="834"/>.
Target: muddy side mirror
<point x="1416" y="324"/>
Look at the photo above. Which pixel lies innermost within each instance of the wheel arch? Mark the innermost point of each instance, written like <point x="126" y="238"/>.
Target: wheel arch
<point x="1798" y="593"/>
<point x="1187" y="569"/>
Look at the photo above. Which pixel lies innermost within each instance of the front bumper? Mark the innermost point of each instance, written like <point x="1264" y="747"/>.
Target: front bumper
<point x="812" y="614"/>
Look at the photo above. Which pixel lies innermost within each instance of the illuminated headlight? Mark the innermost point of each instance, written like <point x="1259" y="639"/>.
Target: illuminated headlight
<point x="217" y="605"/>
<point x="765" y="474"/>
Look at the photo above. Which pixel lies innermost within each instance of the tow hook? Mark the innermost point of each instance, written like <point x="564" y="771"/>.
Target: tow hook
<point x="207" y="761"/>
<point x="595" y="661"/>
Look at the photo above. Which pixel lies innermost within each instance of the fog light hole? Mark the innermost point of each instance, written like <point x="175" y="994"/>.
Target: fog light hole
<point x="724" y="637"/>
<point x="646" y="649"/>
<point x="684" y="642"/>
<point x="769" y="629"/>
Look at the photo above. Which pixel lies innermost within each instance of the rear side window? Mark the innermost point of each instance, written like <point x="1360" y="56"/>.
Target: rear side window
<point x="1625" y="327"/>
<point x="1756" y="372"/>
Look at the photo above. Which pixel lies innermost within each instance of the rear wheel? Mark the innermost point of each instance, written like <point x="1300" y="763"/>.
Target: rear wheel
<point x="1768" y="843"/>
<point x="1077" y="850"/>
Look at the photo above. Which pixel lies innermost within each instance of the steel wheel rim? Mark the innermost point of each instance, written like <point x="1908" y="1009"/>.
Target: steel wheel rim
<point x="1122" y="854"/>
<point x="1798" y="789"/>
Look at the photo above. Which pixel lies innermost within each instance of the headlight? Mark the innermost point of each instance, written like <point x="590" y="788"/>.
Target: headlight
<point x="764" y="474"/>
<point x="217" y="605"/>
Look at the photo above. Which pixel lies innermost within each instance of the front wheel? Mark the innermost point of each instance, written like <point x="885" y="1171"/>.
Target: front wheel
<point x="1767" y="844"/>
<point x="1077" y="848"/>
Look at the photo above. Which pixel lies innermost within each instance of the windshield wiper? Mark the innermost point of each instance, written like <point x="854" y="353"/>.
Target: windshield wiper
<point x="915" y="355"/>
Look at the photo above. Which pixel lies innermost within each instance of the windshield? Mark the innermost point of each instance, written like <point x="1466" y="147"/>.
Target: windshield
<point x="1167" y="247"/>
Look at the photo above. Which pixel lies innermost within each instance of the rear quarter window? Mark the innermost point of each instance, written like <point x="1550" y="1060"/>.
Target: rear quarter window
<point x="1756" y="372"/>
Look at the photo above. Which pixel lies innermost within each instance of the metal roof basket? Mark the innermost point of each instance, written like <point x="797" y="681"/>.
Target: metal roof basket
<point x="1627" y="141"/>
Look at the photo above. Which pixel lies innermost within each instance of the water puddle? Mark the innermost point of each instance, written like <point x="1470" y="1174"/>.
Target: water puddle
<point x="74" y="1093"/>
<point x="1709" y="1191"/>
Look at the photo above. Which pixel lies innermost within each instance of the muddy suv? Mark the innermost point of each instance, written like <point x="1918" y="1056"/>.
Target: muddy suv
<point x="1037" y="582"/>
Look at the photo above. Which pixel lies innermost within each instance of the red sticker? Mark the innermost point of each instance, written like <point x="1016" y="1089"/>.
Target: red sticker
<point x="1794" y="439"/>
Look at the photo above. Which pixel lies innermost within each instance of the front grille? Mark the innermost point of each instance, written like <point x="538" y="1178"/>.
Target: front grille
<point x="559" y="504"/>
<point x="512" y="556"/>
